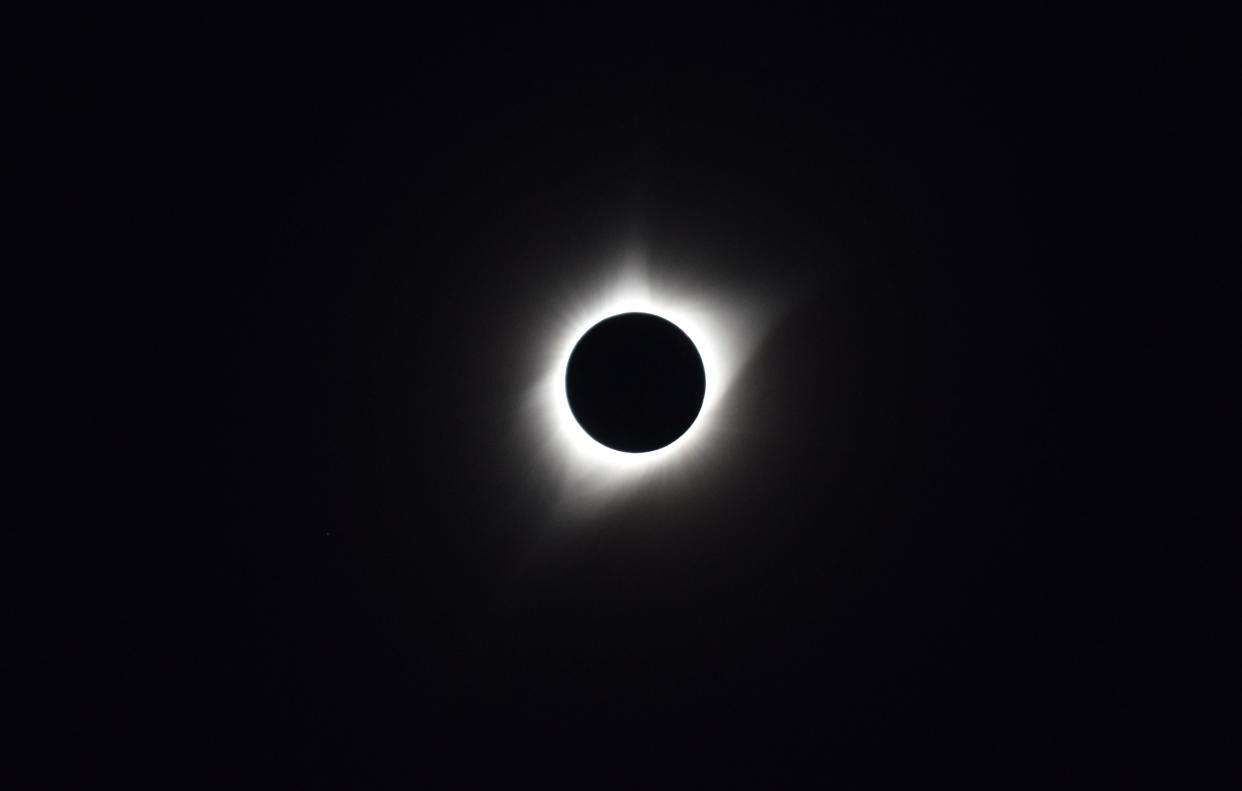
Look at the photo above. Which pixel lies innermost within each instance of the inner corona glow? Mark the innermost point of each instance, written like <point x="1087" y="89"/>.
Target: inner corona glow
<point x="719" y="329"/>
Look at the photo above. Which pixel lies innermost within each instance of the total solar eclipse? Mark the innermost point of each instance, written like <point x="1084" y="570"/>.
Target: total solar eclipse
<point x="635" y="382"/>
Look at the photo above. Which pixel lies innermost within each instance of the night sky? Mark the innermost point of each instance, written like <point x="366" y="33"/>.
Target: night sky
<point x="292" y="524"/>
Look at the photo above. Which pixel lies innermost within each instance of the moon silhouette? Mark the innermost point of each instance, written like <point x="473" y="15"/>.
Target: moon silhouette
<point x="635" y="382"/>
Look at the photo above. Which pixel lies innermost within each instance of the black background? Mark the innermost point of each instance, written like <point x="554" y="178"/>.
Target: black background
<point x="283" y="529"/>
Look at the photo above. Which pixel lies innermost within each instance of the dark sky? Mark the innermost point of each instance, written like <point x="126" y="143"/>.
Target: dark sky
<point x="288" y="530"/>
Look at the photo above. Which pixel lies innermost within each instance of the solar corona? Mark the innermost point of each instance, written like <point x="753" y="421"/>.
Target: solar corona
<point x="635" y="379"/>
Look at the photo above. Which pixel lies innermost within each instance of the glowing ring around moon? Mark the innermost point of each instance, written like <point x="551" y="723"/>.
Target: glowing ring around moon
<point x="723" y="330"/>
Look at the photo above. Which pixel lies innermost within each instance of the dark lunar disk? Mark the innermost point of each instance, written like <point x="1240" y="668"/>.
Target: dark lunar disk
<point x="635" y="382"/>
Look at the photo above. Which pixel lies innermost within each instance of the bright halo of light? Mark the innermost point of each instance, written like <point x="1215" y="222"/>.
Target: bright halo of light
<point x="723" y="329"/>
